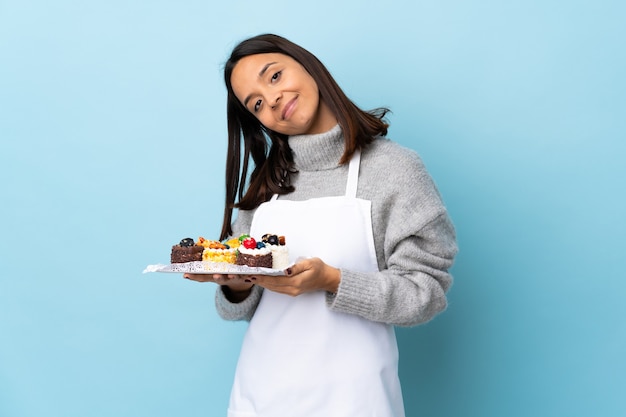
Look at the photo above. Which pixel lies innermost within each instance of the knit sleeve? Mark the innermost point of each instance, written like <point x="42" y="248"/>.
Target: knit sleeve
<point x="416" y="245"/>
<point x="237" y="311"/>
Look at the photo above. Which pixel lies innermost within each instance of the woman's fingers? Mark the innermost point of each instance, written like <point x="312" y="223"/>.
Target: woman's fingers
<point x="307" y="275"/>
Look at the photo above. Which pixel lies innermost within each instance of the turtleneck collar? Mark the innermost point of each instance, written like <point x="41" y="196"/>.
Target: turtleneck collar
<point x="317" y="152"/>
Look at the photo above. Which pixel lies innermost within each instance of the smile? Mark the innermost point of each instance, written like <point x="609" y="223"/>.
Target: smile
<point x="289" y="108"/>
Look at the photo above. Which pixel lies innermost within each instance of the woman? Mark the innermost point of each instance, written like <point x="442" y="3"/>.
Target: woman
<point x="363" y="220"/>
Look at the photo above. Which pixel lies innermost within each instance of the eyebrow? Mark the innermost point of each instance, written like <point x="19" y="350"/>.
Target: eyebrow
<point x="263" y="70"/>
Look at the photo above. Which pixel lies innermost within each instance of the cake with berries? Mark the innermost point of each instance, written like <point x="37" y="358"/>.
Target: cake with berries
<point x="215" y="251"/>
<point x="268" y="252"/>
<point x="186" y="251"/>
<point x="280" y="251"/>
<point x="252" y="253"/>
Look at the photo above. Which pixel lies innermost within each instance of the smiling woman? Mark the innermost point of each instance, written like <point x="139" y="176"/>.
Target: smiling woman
<point x="324" y="330"/>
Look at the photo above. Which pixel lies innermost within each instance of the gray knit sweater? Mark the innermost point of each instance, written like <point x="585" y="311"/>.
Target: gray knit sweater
<point x="414" y="238"/>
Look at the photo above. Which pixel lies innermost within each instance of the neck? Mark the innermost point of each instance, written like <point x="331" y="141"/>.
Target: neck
<point x="324" y="120"/>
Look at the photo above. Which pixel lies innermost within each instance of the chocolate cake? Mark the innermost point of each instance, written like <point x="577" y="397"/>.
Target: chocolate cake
<point x="259" y="260"/>
<point x="252" y="254"/>
<point x="186" y="251"/>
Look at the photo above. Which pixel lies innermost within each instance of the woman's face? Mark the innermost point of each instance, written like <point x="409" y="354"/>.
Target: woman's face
<point x="281" y="94"/>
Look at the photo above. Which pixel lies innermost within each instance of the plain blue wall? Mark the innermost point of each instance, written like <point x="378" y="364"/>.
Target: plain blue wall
<point x="112" y="126"/>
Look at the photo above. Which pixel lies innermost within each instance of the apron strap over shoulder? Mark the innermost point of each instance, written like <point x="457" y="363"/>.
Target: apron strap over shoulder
<point x="353" y="174"/>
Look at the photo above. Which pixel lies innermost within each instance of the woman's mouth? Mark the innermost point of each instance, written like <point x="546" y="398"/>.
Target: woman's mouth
<point x="289" y="108"/>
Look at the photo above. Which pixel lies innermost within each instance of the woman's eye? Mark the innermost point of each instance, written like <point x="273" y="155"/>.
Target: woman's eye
<point x="276" y="76"/>
<point x="257" y="105"/>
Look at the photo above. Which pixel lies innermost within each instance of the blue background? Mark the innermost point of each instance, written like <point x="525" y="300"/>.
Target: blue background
<point x="112" y="127"/>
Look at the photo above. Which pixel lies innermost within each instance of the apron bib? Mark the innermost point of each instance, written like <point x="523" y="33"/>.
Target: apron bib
<point x="299" y="358"/>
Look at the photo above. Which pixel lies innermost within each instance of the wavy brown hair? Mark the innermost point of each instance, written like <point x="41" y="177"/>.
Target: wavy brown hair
<point x="269" y="150"/>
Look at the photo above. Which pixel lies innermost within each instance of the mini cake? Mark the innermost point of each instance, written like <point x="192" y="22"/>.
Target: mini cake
<point x="186" y="251"/>
<point x="280" y="252"/>
<point x="253" y="253"/>
<point x="215" y="251"/>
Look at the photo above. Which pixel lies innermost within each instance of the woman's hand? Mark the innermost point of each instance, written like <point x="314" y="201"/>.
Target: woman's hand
<point x="236" y="287"/>
<point x="306" y="275"/>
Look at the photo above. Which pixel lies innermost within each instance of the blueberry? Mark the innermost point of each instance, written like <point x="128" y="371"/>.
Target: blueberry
<point x="187" y="242"/>
<point x="260" y="245"/>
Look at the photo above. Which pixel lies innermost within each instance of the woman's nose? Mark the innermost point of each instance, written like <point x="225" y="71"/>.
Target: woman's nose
<point x="275" y="100"/>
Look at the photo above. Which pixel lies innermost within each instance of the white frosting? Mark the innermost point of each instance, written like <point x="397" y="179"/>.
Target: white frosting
<point x="280" y="256"/>
<point x="255" y="251"/>
<point x="214" y="250"/>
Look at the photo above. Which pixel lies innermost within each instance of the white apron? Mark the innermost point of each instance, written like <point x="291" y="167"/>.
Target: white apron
<point x="299" y="358"/>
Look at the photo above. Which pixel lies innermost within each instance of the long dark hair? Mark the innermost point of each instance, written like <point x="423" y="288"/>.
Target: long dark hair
<point x="269" y="150"/>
